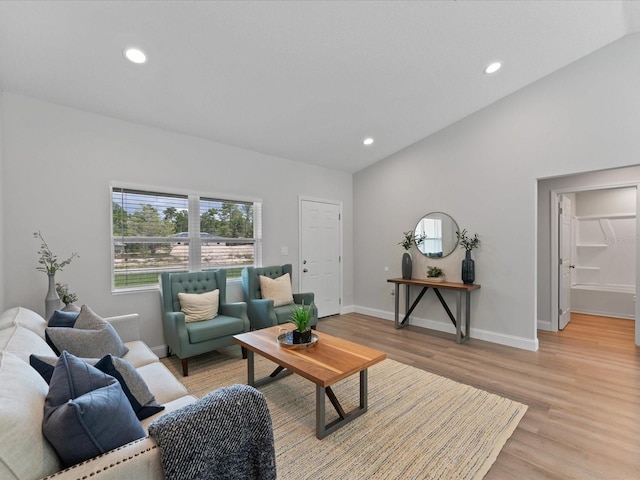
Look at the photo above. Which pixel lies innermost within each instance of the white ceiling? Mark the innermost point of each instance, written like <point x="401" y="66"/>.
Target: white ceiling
<point x="303" y="80"/>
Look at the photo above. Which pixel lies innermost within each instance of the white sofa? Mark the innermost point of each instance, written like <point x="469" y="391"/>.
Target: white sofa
<point x="24" y="452"/>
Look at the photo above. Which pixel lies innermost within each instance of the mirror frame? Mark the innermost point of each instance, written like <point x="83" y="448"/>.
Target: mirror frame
<point x="453" y="242"/>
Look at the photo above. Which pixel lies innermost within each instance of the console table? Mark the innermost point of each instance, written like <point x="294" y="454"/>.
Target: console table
<point x="459" y="288"/>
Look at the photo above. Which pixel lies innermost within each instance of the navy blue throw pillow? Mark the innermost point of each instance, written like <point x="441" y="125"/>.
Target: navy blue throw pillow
<point x="63" y="319"/>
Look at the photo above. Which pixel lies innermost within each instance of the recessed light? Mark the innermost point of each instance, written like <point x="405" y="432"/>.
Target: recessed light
<point x="368" y="141"/>
<point x="135" y="55"/>
<point x="492" y="67"/>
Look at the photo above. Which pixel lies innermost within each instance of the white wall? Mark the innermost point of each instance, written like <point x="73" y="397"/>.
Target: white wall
<point x="1" y="210"/>
<point x="58" y="162"/>
<point x="483" y="171"/>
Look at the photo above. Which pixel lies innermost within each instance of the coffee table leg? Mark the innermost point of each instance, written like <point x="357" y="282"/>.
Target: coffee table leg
<point x="250" y="369"/>
<point x="322" y="429"/>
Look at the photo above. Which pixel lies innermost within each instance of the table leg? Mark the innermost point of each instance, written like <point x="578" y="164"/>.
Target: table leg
<point x="322" y="429"/>
<point x="397" y="305"/>
<point x="467" y="318"/>
<point x="459" y="316"/>
<point x="250" y="368"/>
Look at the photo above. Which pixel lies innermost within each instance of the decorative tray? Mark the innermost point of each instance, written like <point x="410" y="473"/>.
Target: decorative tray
<point x="286" y="340"/>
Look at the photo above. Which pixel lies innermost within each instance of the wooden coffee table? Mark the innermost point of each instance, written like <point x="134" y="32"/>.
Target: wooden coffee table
<point x="329" y="361"/>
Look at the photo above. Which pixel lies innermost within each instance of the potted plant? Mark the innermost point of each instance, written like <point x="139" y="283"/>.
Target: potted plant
<point x="65" y="295"/>
<point x="435" y="274"/>
<point x="49" y="264"/>
<point x="300" y="317"/>
<point x="468" y="265"/>
<point x="409" y="239"/>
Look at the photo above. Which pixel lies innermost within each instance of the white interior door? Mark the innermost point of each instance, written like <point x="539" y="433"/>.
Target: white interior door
<point x="564" y="261"/>
<point x="320" y="227"/>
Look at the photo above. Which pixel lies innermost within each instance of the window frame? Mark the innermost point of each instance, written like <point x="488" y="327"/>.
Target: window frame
<point x="194" y="240"/>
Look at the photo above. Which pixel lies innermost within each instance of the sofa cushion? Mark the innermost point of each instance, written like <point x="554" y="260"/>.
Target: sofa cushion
<point x="81" y="409"/>
<point x="61" y="318"/>
<point x="169" y="407"/>
<point x="164" y="385"/>
<point x="199" y="306"/>
<point x="23" y="317"/>
<point x="139" y="354"/>
<point x="222" y="326"/>
<point x="91" y="337"/>
<point x="22" y="342"/>
<point x="24" y="452"/>
<point x="277" y="289"/>
<point x="134" y="387"/>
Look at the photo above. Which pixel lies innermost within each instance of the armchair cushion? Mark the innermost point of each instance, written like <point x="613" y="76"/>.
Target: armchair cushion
<point x="199" y="306"/>
<point x="277" y="289"/>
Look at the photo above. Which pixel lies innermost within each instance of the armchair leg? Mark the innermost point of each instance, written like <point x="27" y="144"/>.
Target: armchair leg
<point x="185" y="367"/>
<point x="244" y="352"/>
<point x="313" y="327"/>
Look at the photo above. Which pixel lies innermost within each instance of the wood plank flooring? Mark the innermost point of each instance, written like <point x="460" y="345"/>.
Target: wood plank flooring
<point x="582" y="388"/>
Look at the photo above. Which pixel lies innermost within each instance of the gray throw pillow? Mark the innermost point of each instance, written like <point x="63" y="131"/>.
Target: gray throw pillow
<point x="86" y="413"/>
<point x="90" y="337"/>
<point x="133" y="385"/>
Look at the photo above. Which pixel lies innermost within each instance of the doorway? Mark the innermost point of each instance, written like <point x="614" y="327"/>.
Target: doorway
<point x="594" y="262"/>
<point x="320" y="250"/>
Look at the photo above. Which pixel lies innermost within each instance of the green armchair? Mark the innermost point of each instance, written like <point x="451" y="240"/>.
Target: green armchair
<point x="261" y="311"/>
<point x="187" y="339"/>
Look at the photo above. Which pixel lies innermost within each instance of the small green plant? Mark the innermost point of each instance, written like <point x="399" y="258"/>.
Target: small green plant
<point x="301" y="316"/>
<point x="65" y="295"/>
<point x="48" y="261"/>
<point x="466" y="241"/>
<point x="410" y="238"/>
<point x="434" y="272"/>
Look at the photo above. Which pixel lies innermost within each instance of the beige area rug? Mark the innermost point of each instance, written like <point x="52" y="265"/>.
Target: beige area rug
<point x="418" y="426"/>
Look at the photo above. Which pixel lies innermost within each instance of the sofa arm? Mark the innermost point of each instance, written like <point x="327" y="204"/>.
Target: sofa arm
<point x="307" y="298"/>
<point x="127" y="326"/>
<point x="236" y="309"/>
<point x="139" y="459"/>
<point x="261" y="313"/>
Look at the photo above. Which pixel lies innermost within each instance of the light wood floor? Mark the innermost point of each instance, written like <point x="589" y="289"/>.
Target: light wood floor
<point x="582" y="388"/>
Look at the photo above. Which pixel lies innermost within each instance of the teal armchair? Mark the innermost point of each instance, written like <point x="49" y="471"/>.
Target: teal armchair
<point x="187" y="339"/>
<point x="261" y="311"/>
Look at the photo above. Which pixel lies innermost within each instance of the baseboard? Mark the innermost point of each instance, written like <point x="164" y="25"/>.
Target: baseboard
<point x="347" y="309"/>
<point x="603" y="314"/>
<point x="493" y="337"/>
<point x="545" y="325"/>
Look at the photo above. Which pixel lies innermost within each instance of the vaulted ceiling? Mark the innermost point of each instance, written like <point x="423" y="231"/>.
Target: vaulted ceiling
<point x="303" y="80"/>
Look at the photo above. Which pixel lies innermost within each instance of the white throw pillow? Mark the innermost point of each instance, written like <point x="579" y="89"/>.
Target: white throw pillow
<point x="199" y="306"/>
<point x="277" y="289"/>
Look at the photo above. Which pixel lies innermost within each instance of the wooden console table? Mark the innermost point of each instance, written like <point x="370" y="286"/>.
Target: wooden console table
<point x="459" y="288"/>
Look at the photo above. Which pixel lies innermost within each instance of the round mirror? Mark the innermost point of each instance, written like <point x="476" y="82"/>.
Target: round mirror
<point x="436" y="235"/>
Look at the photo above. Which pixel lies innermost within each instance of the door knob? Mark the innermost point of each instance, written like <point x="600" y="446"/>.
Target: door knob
<point x="305" y="270"/>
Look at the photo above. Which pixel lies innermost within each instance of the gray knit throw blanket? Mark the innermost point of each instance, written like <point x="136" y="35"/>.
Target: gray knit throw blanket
<point x="226" y="434"/>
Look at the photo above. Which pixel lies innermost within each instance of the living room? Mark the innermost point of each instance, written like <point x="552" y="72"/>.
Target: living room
<point x="58" y="158"/>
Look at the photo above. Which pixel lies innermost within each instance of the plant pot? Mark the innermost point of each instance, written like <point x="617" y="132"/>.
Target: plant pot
<point x="436" y="279"/>
<point x="468" y="269"/>
<point x="301" y="337"/>
<point x="52" y="301"/>
<point x="407" y="266"/>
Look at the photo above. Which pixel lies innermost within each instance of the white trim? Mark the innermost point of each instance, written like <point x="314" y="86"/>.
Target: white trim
<point x="493" y="337"/>
<point x="338" y="203"/>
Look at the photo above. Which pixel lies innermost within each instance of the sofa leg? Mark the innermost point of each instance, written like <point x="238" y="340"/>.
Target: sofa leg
<point x="244" y="352"/>
<point x="185" y="367"/>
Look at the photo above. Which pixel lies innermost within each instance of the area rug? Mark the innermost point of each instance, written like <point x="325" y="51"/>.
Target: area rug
<point x="419" y="425"/>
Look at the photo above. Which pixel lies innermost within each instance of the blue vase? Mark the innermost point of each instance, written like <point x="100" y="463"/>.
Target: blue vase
<point x="406" y="265"/>
<point x="468" y="268"/>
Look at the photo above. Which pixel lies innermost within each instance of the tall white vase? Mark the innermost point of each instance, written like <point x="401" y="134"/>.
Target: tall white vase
<point x="52" y="300"/>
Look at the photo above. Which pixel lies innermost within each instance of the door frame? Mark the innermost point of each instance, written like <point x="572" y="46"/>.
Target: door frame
<point x="338" y="203"/>
<point x="555" y="300"/>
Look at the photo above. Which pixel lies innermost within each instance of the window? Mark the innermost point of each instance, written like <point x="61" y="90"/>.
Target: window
<point x="154" y="232"/>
